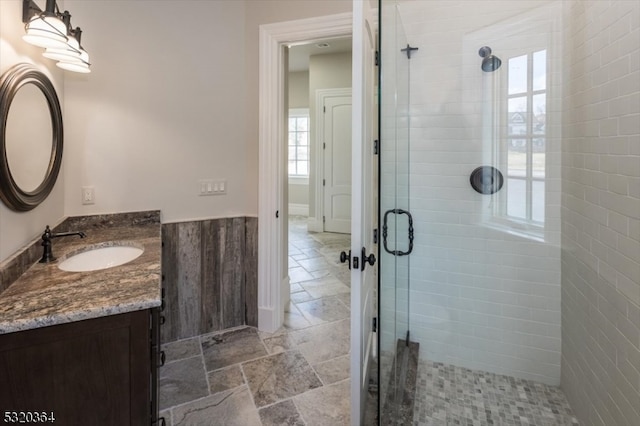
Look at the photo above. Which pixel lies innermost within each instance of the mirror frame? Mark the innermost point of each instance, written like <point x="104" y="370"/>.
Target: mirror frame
<point x="10" y="192"/>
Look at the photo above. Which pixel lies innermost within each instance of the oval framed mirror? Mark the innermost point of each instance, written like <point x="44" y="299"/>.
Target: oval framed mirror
<point x="31" y="137"/>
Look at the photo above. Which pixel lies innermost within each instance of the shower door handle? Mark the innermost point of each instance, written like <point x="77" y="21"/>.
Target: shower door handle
<point x="409" y="232"/>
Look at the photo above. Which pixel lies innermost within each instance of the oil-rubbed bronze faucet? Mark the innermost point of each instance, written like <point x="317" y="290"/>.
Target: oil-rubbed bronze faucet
<point x="47" y="256"/>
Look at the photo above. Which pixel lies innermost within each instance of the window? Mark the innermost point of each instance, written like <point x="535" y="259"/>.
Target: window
<point x="299" y="143"/>
<point x="526" y="136"/>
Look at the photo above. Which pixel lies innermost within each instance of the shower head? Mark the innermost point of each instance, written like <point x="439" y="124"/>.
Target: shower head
<point x="490" y="63"/>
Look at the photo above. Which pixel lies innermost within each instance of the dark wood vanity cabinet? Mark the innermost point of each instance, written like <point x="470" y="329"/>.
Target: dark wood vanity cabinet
<point x="99" y="372"/>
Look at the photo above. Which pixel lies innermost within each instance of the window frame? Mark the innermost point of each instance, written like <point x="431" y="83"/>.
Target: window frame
<point x="297" y="113"/>
<point x="528" y="224"/>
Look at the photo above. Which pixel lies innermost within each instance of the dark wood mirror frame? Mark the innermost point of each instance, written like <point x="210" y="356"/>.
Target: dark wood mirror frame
<point x="10" y="192"/>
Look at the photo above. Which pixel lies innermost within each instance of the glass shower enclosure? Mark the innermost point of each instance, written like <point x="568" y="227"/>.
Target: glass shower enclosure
<point x="470" y="105"/>
<point x="396" y="221"/>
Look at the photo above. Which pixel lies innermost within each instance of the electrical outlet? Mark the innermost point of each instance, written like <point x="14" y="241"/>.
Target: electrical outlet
<point x="88" y="195"/>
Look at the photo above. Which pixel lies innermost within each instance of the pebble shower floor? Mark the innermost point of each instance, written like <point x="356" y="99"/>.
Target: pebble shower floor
<point x="449" y="395"/>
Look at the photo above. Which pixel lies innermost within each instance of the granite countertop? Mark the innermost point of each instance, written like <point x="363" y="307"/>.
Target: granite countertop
<point x="45" y="295"/>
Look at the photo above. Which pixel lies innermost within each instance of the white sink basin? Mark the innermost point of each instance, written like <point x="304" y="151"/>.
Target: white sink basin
<point x="100" y="257"/>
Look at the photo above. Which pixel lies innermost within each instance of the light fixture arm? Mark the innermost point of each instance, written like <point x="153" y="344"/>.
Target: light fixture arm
<point x="77" y="33"/>
<point x="50" y="8"/>
<point x="66" y="18"/>
<point x="29" y="9"/>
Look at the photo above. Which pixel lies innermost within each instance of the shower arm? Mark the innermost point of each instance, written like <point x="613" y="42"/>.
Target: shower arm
<point x="408" y="50"/>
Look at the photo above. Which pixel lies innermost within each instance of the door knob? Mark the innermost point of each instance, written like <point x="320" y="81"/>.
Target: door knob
<point x="371" y="259"/>
<point x="346" y="258"/>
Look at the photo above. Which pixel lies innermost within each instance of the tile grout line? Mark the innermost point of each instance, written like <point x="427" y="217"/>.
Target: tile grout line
<point x="204" y="365"/>
<point x="246" y="383"/>
<point x="298" y="410"/>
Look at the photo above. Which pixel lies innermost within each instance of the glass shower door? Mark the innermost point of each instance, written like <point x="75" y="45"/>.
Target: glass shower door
<point x="395" y="218"/>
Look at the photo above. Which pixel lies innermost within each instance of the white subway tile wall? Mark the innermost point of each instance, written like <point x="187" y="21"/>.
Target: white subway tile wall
<point x="601" y="214"/>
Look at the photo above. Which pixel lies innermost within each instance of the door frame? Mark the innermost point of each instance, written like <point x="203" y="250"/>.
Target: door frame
<point x="272" y="273"/>
<point x="315" y="222"/>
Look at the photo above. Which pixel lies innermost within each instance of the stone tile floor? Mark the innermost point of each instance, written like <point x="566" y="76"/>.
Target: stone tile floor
<point x="296" y="376"/>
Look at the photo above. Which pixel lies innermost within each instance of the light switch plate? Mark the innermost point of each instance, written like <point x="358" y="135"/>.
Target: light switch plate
<point x="212" y="187"/>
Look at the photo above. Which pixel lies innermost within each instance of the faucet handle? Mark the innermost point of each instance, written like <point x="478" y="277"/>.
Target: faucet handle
<point x="47" y="256"/>
<point x="47" y="233"/>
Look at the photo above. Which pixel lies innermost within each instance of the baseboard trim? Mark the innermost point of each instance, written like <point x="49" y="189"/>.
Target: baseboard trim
<point x="285" y="291"/>
<point x="269" y="320"/>
<point x="315" y="225"/>
<point x="299" y="209"/>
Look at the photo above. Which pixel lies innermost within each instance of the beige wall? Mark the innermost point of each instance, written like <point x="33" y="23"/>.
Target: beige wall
<point x="19" y="228"/>
<point x="298" y="194"/>
<point x="299" y="89"/>
<point x="163" y="108"/>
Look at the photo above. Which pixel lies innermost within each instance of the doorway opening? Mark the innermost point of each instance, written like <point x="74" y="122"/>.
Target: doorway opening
<point x="275" y="40"/>
<point x="319" y="133"/>
<point x="318" y="146"/>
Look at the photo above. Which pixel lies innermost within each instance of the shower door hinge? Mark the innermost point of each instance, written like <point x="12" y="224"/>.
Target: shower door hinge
<point x="375" y="236"/>
<point x="324" y="109"/>
<point x="377" y="58"/>
<point x="375" y="147"/>
<point x="324" y="182"/>
<point x="324" y="219"/>
<point x="324" y="145"/>
<point x="374" y="326"/>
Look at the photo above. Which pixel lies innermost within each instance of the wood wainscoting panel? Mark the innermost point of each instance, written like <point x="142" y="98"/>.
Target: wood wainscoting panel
<point x="251" y="271"/>
<point x="210" y="276"/>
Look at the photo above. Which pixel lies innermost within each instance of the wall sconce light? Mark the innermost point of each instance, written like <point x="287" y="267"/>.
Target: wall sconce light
<point x="53" y="31"/>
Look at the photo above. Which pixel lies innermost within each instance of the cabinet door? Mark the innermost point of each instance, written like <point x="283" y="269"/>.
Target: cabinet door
<point x="93" y="372"/>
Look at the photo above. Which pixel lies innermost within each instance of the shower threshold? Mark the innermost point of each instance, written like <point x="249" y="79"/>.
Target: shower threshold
<point x="399" y="401"/>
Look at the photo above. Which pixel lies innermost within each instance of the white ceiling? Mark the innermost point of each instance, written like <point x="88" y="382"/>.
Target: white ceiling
<point x="299" y="54"/>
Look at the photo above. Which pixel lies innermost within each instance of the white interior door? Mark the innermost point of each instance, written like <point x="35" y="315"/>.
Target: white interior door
<point x="337" y="163"/>
<point x="362" y="205"/>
